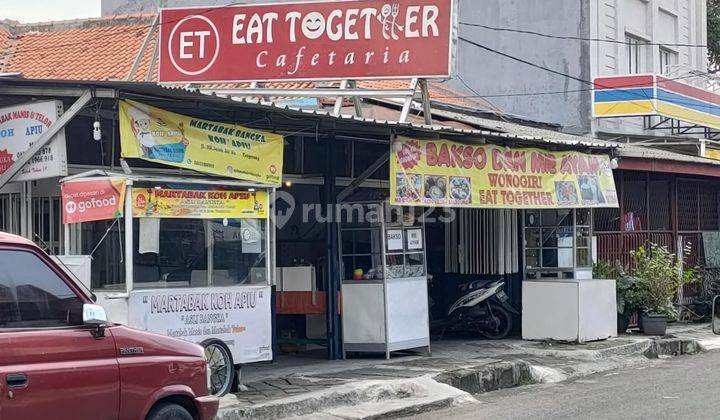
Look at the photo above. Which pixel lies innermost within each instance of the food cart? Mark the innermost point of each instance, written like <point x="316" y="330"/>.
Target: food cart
<point x="384" y="283"/>
<point x="183" y="252"/>
<point x="195" y="258"/>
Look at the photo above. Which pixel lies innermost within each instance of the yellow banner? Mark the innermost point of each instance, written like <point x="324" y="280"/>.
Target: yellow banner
<point x="229" y="150"/>
<point x="199" y="204"/>
<point x="439" y="173"/>
<point x="712" y="154"/>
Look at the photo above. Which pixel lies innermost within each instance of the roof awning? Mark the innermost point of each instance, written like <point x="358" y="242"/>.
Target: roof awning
<point x="684" y="108"/>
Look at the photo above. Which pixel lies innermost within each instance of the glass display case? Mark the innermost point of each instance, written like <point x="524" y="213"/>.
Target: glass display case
<point x="561" y="299"/>
<point x="384" y="284"/>
<point x="558" y="243"/>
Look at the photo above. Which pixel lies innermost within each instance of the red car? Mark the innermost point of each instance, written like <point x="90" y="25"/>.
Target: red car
<point x="61" y="359"/>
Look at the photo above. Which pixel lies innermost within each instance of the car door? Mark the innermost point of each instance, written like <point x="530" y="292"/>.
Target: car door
<point x="51" y="366"/>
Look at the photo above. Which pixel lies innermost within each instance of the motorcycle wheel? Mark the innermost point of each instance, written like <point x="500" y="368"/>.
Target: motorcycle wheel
<point x="503" y="326"/>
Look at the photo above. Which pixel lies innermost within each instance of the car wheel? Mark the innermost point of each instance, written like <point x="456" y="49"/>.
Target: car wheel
<point x="169" y="411"/>
<point x="221" y="370"/>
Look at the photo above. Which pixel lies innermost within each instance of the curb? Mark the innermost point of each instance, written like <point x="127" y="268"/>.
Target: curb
<point x="382" y="399"/>
<point x="360" y="400"/>
<point x="490" y="377"/>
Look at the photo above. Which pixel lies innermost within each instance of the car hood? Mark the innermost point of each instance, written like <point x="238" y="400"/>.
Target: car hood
<point x="130" y="341"/>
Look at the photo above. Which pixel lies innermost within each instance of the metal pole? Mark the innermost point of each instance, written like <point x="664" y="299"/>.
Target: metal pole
<point x="143" y="48"/>
<point x="339" y="100"/>
<point x="427" y="110"/>
<point x="129" y="280"/>
<point x="408" y="101"/>
<point x="66" y="239"/>
<point x="333" y="275"/>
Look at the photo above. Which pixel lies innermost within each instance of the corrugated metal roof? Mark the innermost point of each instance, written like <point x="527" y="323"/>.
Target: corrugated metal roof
<point x="648" y="152"/>
<point x="495" y="129"/>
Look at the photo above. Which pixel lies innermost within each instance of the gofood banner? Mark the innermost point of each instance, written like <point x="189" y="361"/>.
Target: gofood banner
<point x="229" y="150"/>
<point x="199" y="204"/>
<point x="89" y="200"/>
<point x="447" y="173"/>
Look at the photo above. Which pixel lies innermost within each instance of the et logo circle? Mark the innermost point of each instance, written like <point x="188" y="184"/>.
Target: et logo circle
<point x="193" y="45"/>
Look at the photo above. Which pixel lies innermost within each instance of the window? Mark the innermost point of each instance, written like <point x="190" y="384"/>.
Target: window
<point x="667" y="59"/>
<point x="33" y="296"/>
<point x="635" y="50"/>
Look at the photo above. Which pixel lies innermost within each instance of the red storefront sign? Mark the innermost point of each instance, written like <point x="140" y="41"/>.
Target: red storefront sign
<point x="90" y="200"/>
<point x="305" y="41"/>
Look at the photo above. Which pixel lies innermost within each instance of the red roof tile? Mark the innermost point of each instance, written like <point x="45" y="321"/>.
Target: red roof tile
<point x="91" y="49"/>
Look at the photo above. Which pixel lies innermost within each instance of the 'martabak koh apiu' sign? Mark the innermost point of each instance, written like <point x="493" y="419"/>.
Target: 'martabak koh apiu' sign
<point x="307" y="41"/>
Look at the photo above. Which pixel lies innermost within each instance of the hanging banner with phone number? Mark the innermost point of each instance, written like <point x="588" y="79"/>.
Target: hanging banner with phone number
<point x="199" y="204"/>
<point x="444" y="173"/>
<point x="223" y="149"/>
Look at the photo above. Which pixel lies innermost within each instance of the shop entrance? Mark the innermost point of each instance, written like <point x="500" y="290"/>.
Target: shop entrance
<point x="470" y="248"/>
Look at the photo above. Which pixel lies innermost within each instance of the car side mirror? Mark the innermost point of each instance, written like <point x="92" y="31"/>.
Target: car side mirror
<point x="94" y="316"/>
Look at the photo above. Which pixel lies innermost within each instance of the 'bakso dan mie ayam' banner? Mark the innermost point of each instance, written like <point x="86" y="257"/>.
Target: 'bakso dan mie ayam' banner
<point x="215" y="148"/>
<point x="447" y="173"/>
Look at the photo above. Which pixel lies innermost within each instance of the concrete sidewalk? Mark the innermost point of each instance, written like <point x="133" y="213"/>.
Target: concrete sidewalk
<point x="457" y="369"/>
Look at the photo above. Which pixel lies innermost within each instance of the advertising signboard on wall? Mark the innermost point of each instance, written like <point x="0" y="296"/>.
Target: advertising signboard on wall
<point x="307" y="41"/>
<point x="443" y="173"/>
<point x="223" y="149"/>
<point x="239" y="316"/>
<point x="199" y="204"/>
<point x="88" y="200"/>
<point x="20" y="126"/>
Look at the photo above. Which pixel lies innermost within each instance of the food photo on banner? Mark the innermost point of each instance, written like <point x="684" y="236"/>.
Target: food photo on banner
<point x="449" y="173"/>
<point x="222" y="149"/>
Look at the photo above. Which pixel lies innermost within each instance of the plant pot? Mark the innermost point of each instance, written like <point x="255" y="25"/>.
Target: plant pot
<point x="654" y="324"/>
<point x="623" y="321"/>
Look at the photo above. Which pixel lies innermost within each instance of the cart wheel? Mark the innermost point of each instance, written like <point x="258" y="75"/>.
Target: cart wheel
<point x="220" y="366"/>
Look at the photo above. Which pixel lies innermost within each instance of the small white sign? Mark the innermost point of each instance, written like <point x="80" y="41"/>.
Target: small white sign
<point x="414" y="239"/>
<point x="394" y="240"/>
<point x="251" y="236"/>
<point x="20" y="127"/>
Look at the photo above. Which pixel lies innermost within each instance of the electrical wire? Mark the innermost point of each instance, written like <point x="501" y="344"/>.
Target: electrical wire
<point x="595" y="85"/>
<point x="578" y="38"/>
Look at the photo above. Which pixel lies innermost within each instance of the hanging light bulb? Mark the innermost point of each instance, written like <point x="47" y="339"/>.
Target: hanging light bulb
<point x="97" y="133"/>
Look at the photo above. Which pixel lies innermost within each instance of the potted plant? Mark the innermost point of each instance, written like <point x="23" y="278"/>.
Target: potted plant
<point x="628" y="301"/>
<point x="625" y="291"/>
<point x="658" y="275"/>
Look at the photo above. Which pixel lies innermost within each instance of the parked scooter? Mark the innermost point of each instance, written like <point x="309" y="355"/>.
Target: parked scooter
<point x="482" y="308"/>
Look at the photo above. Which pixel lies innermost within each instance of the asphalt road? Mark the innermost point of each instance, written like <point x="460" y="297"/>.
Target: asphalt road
<point x="685" y="387"/>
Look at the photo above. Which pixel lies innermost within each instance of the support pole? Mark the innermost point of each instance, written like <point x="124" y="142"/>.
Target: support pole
<point x="143" y="48"/>
<point x="129" y="247"/>
<point x="45" y="138"/>
<point x="339" y="100"/>
<point x="357" y="102"/>
<point x="345" y="193"/>
<point x="408" y="101"/>
<point x="427" y="111"/>
<point x="334" y="335"/>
